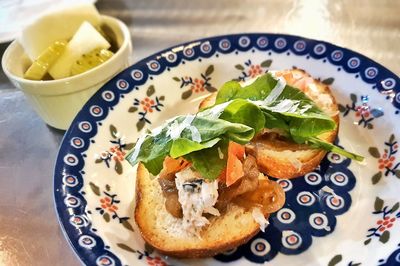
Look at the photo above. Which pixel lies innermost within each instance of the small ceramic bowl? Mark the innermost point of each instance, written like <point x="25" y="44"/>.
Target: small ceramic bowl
<point x="58" y="101"/>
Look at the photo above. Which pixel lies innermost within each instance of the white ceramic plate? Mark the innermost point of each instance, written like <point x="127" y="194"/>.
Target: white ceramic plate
<point x="343" y="213"/>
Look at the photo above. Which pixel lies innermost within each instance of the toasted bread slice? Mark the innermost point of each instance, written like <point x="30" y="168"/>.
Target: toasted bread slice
<point x="164" y="232"/>
<point x="282" y="158"/>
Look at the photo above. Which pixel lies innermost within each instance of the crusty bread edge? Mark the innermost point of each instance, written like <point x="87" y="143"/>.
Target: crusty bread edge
<point x="209" y="251"/>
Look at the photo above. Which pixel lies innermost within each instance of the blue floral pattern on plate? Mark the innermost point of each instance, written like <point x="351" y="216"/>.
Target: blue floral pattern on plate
<point x="312" y="202"/>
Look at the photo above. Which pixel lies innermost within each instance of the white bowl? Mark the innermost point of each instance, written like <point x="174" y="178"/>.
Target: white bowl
<point x="58" y="101"/>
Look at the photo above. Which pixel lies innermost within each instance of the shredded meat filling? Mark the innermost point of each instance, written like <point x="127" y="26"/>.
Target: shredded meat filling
<point x="247" y="192"/>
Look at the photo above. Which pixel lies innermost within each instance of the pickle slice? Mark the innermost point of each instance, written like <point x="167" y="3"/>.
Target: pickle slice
<point x="90" y="60"/>
<point x="40" y="66"/>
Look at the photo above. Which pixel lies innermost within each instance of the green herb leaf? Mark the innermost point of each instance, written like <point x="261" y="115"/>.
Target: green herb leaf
<point x="300" y="112"/>
<point x="318" y="143"/>
<point x="275" y="120"/>
<point x="244" y="112"/>
<point x="310" y="127"/>
<point x="183" y="146"/>
<point x="155" y="148"/>
<point x="211" y="128"/>
<point x="227" y="92"/>
<point x="209" y="162"/>
<point x="239" y="113"/>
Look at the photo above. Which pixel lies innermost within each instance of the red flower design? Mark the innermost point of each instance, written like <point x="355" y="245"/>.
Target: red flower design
<point x="198" y="85"/>
<point x="106" y="204"/>
<point x="117" y="153"/>
<point x="385" y="223"/>
<point x="385" y="162"/>
<point x="156" y="261"/>
<point x="255" y="70"/>
<point x="363" y="110"/>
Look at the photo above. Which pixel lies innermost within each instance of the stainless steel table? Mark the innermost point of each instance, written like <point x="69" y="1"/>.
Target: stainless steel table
<point x="29" y="230"/>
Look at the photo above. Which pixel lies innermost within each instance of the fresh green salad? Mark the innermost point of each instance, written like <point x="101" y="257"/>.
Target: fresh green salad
<point x="238" y="115"/>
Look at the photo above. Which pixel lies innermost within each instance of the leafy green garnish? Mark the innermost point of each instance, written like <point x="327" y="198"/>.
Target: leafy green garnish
<point x="156" y="147"/>
<point x="239" y="111"/>
<point x="239" y="114"/>
<point x="258" y="90"/>
<point x="181" y="146"/>
<point x="210" y="162"/>
<point x="318" y="143"/>
<point x="290" y="108"/>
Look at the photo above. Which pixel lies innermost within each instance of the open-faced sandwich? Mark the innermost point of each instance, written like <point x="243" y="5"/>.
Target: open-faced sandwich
<point x="202" y="181"/>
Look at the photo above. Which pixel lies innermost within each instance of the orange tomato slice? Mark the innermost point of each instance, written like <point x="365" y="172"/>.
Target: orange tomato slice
<point x="234" y="166"/>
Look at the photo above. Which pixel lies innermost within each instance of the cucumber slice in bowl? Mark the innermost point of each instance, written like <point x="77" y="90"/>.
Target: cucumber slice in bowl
<point x="90" y="60"/>
<point x="40" y="66"/>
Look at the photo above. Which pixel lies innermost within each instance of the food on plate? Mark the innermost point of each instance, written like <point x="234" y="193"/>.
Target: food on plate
<point x="74" y="42"/>
<point x="200" y="184"/>
<point x="275" y="147"/>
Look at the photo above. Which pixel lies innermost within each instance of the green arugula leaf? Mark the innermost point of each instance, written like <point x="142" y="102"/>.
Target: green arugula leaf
<point x="300" y="127"/>
<point x="320" y="144"/>
<point x="243" y="112"/>
<point x="154" y="149"/>
<point x="239" y="113"/>
<point x="210" y="162"/>
<point x="275" y="120"/>
<point x="258" y="90"/>
<point x="227" y="92"/>
<point x="210" y="128"/>
<point x="183" y="146"/>
<point x="289" y="109"/>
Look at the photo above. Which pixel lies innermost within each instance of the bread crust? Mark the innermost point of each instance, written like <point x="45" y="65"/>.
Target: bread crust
<point x="275" y="162"/>
<point x="148" y="207"/>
